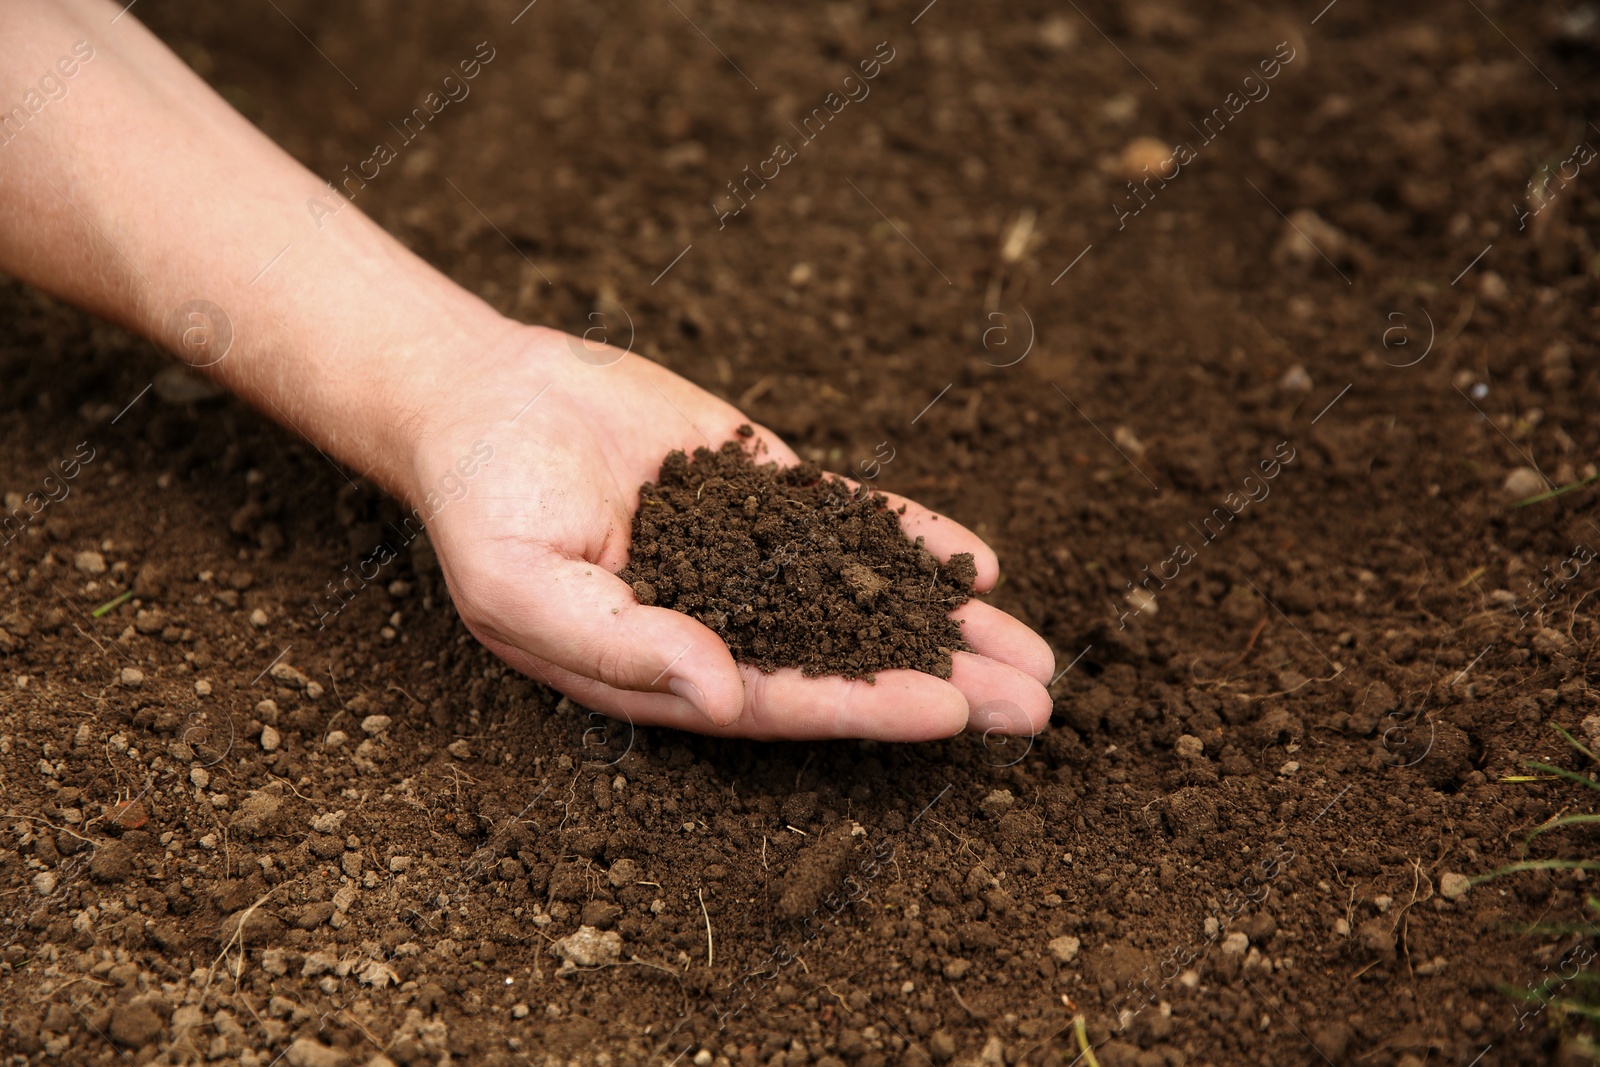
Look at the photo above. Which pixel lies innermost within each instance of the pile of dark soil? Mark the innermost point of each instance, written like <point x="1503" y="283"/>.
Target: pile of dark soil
<point x="793" y="569"/>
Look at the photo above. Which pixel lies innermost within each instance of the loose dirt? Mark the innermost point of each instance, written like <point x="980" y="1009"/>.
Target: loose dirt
<point x="1242" y="838"/>
<point x="792" y="569"/>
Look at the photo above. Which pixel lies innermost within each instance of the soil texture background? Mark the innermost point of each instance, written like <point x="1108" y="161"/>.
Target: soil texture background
<point x="1248" y="439"/>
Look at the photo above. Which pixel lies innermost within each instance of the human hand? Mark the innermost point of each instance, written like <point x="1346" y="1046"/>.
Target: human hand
<point x="342" y="334"/>
<point x="532" y="548"/>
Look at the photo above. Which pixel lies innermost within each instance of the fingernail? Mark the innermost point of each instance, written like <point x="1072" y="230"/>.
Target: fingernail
<point x="686" y="689"/>
<point x="1000" y="717"/>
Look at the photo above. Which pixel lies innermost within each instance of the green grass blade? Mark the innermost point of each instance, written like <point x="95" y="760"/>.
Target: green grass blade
<point x="1565" y="820"/>
<point x="1588" y="929"/>
<point x="1575" y="743"/>
<point x="113" y="604"/>
<point x="1536" y="865"/>
<point x="1551" y="494"/>
<point x="1562" y="772"/>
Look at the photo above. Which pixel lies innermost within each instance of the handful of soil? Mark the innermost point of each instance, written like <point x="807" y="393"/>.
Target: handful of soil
<point x="792" y="569"/>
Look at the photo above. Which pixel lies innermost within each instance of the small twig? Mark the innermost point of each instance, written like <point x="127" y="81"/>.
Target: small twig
<point x="290" y="784"/>
<point x="964" y="1005"/>
<point x="407" y="695"/>
<point x="710" y="949"/>
<point x="1261" y="624"/>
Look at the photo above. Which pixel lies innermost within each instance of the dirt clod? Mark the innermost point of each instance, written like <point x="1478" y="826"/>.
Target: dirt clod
<point x="793" y="569"/>
<point x="135" y="1025"/>
<point x="815" y="874"/>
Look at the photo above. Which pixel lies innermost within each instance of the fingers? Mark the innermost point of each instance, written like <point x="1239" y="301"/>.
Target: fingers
<point x="1001" y="698"/>
<point x="993" y="633"/>
<point x="897" y="705"/>
<point x="584" y="619"/>
<point x="785" y="705"/>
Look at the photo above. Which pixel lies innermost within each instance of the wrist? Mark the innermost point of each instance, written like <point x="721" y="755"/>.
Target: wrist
<point x="413" y="392"/>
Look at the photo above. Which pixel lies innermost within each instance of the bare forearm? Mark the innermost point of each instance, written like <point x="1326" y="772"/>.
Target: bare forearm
<point x="136" y="192"/>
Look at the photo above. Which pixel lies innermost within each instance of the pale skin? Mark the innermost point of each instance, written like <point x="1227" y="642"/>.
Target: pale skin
<point x="140" y="189"/>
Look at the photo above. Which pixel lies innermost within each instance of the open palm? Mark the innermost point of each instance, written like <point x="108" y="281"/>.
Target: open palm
<point x="531" y="552"/>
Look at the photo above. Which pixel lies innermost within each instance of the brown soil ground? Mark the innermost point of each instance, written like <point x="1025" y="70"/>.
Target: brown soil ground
<point x="1232" y="845"/>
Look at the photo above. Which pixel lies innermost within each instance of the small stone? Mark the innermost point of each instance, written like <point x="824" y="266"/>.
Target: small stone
<point x="202" y="688"/>
<point x="270" y="739"/>
<point x="1144" y="157"/>
<point x="588" y="947"/>
<point x="703" y="1058"/>
<point x="45" y="883"/>
<point x="200" y="777"/>
<point x="1057" y="35"/>
<point x="350" y="863"/>
<point x="317" y="963"/>
<point x="997" y="803"/>
<point x="1552" y="642"/>
<point x="942" y="1046"/>
<point x="209" y="841"/>
<point x="1189" y="746"/>
<point x="519" y="1011"/>
<point x="955" y="970"/>
<point x="1064" y="948"/>
<point x="1235" y="943"/>
<point x="90" y="562"/>
<point x="1295" y="380"/>
<point x="373" y="725"/>
<point x="329" y="823"/>
<point x="308" y="1053"/>
<point x="1492" y="288"/>
<point x="1309" y="238"/>
<point x="132" y="677"/>
<point x="459" y="749"/>
<point x="335" y="739"/>
<point x="289" y="677"/>
<point x="1523" y="483"/>
<point x="623" y="872"/>
<point x="1289" y="768"/>
<point x="258" y="619"/>
<point x="377" y="974"/>
<point x="274" y="962"/>
<point x="1454" y="886"/>
<point x="1382" y="901"/>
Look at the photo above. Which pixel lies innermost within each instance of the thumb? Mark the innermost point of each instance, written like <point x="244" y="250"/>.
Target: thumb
<point x="581" y="617"/>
